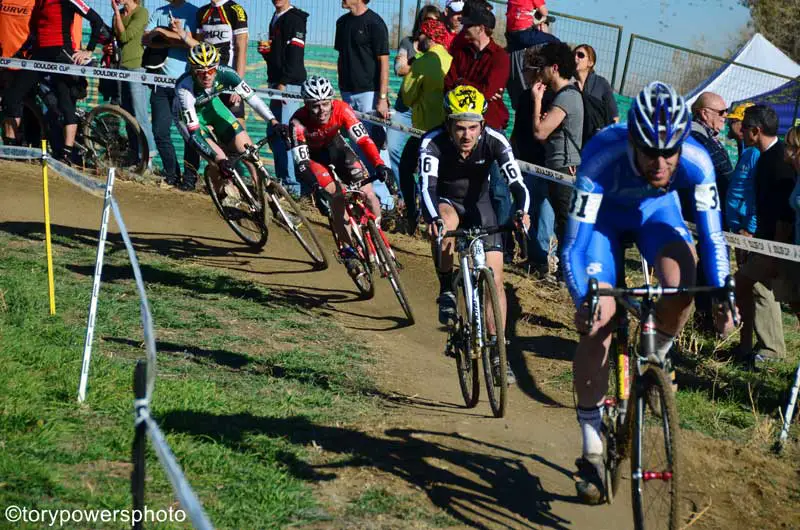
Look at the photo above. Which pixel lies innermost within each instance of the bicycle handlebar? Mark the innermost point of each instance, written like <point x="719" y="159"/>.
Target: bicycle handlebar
<point x="250" y="150"/>
<point x="478" y="232"/>
<point x="652" y="292"/>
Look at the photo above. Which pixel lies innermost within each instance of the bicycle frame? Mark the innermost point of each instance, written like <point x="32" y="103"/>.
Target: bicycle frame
<point x="471" y="250"/>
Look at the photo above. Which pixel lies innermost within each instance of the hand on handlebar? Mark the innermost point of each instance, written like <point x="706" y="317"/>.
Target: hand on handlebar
<point x="584" y="320"/>
<point x="386" y="175"/>
<point x="225" y="168"/>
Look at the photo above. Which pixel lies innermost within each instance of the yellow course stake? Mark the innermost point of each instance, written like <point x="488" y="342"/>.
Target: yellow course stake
<point x="48" y="244"/>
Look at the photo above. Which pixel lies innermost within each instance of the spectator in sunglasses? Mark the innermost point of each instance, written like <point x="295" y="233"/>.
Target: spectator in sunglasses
<point x="593" y="84"/>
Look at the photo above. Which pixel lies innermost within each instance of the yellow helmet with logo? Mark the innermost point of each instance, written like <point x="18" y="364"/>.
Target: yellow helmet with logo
<point x="204" y="55"/>
<point x="465" y="103"/>
<point x="737" y="113"/>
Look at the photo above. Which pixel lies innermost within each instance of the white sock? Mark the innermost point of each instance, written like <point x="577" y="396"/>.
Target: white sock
<point x="590" y="421"/>
<point x="663" y="344"/>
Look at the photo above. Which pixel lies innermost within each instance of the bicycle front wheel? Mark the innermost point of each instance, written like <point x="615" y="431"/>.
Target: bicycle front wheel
<point x="655" y="464"/>
<point x="290" y="217"/>
<point x="459" y="344"/>
<point x="388" y="264"/>
<point x="247" y="220"/>
<point x="115" y="139"/>
<point x="494" y="346"/>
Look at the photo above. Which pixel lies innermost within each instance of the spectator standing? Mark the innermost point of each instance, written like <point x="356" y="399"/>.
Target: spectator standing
<point x="522" y="17"/>
<point x="482" y="63"/>
<point x="362" y="41"/>
<point x="407" y="53"/>
<point x="15" y="18"/>
<point x="559" y="126"/>
<point x="129" y="30"/>
<point x="774" y="183"/>
<point x="286" y="71"/>
<point x="423" y="91"/>
<point x="735" y="118"/>
<point x="517" y="83"/>
<point x="596" y="88"/>
<point x="708" y="112"/>
<point x="453" y="13"/>
<point x="740" y="201"/>
<point x="223" y="23"/>
<point x="160" y="35"/>
<point x="787" y="288"/>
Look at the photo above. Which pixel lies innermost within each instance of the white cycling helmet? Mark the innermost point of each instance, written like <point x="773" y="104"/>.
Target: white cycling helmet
<point x="316" y="88"/>
<point x="659" y="118"/>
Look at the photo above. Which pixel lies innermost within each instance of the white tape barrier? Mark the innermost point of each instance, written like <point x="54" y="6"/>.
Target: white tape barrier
<point x="759" y="246"/>
<point x="98" y="271"/>
<point x="71" y="174"/>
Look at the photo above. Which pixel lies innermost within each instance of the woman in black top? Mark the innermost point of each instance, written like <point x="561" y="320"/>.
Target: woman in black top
<point x="592" y="83"/>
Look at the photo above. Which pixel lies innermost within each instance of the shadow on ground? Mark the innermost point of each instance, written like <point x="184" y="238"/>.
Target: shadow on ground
<point x="454" y="471"/>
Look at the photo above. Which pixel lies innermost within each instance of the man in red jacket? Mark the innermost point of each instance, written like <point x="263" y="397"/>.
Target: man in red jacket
<point x="484" y="64"/>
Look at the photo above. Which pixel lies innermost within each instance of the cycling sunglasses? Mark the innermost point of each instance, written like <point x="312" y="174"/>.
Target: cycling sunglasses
<point x="205" y="71"/>
<point x="653" y="153"/>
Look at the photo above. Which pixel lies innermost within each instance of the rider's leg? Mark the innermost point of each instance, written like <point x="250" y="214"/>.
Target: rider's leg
<point x="445" y="271"/>
<point x="341" y="220"/>
<point x="494" y="259"/>
<point x="372" y="201"/>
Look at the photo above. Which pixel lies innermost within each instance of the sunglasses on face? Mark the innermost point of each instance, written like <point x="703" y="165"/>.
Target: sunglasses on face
<point x="580" y="55"/>
<point x="722" y="113"/>
<point x="653" y="153"/>
<point x="205" y="72"/>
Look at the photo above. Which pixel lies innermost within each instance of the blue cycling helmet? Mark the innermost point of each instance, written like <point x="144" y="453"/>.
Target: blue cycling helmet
<point x="659" y="118"/>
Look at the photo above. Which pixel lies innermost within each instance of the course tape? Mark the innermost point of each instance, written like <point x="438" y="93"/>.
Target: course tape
<point x="71" y="174"/>
<point x="760" y="246"/>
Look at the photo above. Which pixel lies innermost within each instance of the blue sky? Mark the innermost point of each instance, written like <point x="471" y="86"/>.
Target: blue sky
<point x="712" y="23"/>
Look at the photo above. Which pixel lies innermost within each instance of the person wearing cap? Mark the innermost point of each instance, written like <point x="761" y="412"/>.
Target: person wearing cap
<point x="522" y="20"/>
<point x="482" y="63"/>
<point x="423" y="90"/>
<point x="740" y="200"/>
<point x="453" y="12"/>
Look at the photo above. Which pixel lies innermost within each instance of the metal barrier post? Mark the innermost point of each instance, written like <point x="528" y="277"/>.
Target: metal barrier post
<point x="139" y="439"/>
<point x="627" y="62"/>
<point x="616" y="60"/>
<point x="51" y="290"/>
<point x="98" y="270"/>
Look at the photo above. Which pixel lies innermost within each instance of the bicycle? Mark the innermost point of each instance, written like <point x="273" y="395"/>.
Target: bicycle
<point x="108" y="136"/>
<point x="248" y="218"/>
<point x="370" y="243"/>
<point x="468" y="339"/>
<point x="654" y="424"/>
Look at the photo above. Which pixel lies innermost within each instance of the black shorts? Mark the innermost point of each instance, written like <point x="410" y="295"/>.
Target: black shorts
<point x="477" y="214"/>
<point x="236" y="110"/>
<point x="338" y="153"/>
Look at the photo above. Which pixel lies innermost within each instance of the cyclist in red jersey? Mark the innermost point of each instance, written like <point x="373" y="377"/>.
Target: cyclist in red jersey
<point x="51" y="40"/>
<point x="317" y="142"/>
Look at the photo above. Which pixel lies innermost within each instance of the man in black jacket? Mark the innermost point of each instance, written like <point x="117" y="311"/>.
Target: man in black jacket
<point x="284" y="54"/>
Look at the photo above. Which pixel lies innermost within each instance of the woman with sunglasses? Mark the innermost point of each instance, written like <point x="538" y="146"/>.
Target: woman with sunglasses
<point x="627" y="184"/>
<point x="593" y="84"/>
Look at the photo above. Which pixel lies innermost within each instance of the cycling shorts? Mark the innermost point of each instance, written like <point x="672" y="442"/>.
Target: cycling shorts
<point x="216" y="115"/>
<point x="480" y="213"/>
<point x="346" y="162"/>
<point x="659" y="222"/>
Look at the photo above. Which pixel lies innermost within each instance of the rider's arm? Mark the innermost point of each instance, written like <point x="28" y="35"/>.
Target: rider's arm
<point x="231" y="80"/>
<point x="358" y="134"/>
<point x="429" y="174"/>
<point x="586" y="199"/>
<point x="98" y="26"/>
<point x="188" y="117"/>
<point x="699" y="170"/>
<point x="509" y="168"/>
<point x="301" y="154"/>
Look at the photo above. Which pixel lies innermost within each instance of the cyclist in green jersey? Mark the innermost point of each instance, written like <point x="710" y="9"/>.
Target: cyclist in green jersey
<point x="197" y="107"/>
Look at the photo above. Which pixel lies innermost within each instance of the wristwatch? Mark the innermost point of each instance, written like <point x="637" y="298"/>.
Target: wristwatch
<point x="383" y="96"/>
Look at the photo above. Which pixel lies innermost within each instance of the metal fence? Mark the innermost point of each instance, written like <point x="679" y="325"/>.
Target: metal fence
<point x="649" y="60"/>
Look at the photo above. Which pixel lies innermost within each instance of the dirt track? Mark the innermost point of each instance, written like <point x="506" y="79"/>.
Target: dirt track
<point x="498" y="473"/>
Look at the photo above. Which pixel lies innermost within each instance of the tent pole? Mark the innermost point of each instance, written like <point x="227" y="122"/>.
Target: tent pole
<point x="796" y="104"/>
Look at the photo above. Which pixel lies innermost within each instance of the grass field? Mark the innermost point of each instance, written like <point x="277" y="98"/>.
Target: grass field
<point x="246" y="376"/>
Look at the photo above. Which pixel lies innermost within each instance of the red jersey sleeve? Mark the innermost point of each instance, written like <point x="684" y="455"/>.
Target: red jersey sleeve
<point x="357" y="132"/>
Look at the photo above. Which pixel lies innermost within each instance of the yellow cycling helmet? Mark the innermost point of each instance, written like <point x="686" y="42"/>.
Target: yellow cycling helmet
<point x="204" y="55"/>
<point x="464" y="103"/>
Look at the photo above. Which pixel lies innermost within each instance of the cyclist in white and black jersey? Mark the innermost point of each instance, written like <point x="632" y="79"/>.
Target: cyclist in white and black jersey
<point x="223" y="23"/>
<point x="454" y="164"/>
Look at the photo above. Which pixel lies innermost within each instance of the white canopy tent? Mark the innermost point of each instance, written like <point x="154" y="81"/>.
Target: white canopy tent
<point x="735" y="83"/>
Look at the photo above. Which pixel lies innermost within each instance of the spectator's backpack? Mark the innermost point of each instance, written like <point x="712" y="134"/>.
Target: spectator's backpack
<point x="595" y="116"/>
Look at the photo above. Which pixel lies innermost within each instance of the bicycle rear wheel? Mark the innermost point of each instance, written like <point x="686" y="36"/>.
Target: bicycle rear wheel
<point x="459" y="343"/>
<point x="115" y="139"/>
<point x="290" y="217"/>
<point x="247" y="220"/>
<point x="387" y="262"/>
<point x="494" y="349"/>
<point x="655" y="463"/>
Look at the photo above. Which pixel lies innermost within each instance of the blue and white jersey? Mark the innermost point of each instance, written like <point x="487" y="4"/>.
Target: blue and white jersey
<point x="611" y="196"/>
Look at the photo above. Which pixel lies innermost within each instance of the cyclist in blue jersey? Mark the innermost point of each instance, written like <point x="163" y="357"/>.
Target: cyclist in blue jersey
<point x="626" y="189"/>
